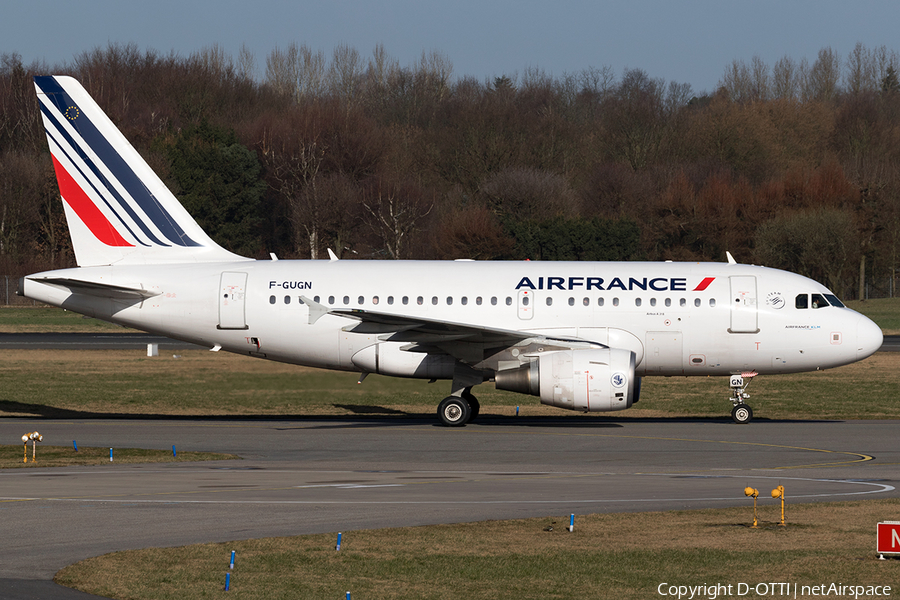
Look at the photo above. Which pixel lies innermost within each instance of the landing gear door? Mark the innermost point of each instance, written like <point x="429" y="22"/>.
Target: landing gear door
<point x="743" y="304"/>
<point x="232" y="298"/>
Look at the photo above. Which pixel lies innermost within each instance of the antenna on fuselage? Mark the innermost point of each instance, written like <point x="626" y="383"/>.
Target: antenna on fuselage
<point x="731" y="260"/>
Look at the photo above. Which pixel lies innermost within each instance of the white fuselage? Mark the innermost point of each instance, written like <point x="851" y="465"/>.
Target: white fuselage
<point x="678" y="318"/>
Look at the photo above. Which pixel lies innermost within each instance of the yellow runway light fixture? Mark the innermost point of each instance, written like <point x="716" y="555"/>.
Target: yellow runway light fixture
<point x="779" y="493"/>
<point x="754" y="493"/>
<point x="34" y="437"/>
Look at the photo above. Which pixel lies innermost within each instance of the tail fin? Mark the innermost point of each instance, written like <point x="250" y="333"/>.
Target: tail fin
<point x="118" y="210"/>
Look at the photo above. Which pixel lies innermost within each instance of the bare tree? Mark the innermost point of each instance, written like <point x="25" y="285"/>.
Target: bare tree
<point x="822" y="79"/>
<point x="345" y="74"/>
<point x="785" y="82"/>
<point x="246" y="65"/>
<point x="393" y="212"/>
<point x="296" y="71"/>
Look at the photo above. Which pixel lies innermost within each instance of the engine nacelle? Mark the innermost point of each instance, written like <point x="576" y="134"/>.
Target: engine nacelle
<point x="587" y="380"/>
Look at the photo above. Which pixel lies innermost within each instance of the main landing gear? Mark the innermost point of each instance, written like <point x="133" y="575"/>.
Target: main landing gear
<point x="460" y="406"/>
<point x="741" y="413"/>
<point x="456" y="411"/>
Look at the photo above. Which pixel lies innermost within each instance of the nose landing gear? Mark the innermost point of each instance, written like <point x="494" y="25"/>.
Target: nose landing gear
<point x="741" y="413"/>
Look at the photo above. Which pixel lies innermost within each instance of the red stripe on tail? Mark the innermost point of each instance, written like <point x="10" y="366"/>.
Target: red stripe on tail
<point x="89" y="214"/>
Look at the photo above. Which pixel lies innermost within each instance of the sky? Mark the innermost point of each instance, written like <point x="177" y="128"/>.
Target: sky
<point x="687" y="41"/>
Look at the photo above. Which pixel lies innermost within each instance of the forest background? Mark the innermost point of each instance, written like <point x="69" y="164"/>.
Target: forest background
<point x="792" y="165"/>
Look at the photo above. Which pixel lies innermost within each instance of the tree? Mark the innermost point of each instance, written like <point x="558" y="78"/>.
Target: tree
<point x="393" y="211"/>
<point x="821" y="244"/>
<point x="219" y="183"/>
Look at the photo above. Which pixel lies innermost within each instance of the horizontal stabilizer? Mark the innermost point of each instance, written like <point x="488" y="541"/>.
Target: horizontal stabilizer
<point x="101" y="290"/>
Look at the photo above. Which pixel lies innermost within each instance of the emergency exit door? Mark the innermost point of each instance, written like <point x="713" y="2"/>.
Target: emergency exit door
<point x="232" y="297"/>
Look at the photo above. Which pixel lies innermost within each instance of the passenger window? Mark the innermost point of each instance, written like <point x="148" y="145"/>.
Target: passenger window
<point x="464" y="301"/>
<point x="272" y="300"/>
<point x="449" y="300"/>
<point x="287" y="299"/>
<point x="668" y="302"/>
<point x="405" y="300"/>
<point x="374" y="299"/>
<point x="360" y="300"/>
<point x="493" y="300"/>
<point x="637" y="301"/>
<point x="615" y="301"/>
<point x="549" y="301"/>
<point x="818" y="301"/>
<point x="696" y="301"/>
<point x="525" y="300"/>
<point x="652" y="301"/>
<point x="478" y="300"/>
<point x="571" y="301"/>
<point x="390" y="300"/>
<point x="802" y="301"/>
<point x="712" y="302"/>
<point x="509" y="301"/>
<point x="330" y="299"/>
<point x="420" y="300"/>
<point x="586" y="301"/>
<point x="434" y="300"/>
<point x="682" y="303"/>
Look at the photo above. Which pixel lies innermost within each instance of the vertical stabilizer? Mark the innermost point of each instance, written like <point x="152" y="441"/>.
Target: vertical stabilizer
<point x="117" y="208"/>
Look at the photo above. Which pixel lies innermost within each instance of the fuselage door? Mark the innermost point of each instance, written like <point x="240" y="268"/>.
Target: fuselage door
<point x="232" y="296"/>
<point x="743" y="304"/>
<point x="526" y="304"/>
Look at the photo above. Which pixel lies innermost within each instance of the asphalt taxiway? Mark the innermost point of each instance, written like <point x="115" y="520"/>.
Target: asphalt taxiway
<point x="341" y="474"/>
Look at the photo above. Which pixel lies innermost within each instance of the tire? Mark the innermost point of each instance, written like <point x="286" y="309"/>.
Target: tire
<point x="742" y="414"/>
<point x="454" y="411"/>
<point x="474" y="405"/>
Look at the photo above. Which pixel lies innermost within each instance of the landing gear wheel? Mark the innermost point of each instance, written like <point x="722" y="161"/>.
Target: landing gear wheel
<point x="474" y="405"/>
<point x="742" y="414"/>
<point x="454" y="411"/>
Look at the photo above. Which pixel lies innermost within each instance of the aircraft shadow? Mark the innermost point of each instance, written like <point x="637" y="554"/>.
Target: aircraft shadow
<point x="365" y="416"/>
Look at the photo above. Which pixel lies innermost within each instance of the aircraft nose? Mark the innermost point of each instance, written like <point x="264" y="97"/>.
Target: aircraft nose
<point x="868" y="338"/>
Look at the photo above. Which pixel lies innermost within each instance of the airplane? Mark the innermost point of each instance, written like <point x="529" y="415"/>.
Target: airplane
<point x="579" y="335"/>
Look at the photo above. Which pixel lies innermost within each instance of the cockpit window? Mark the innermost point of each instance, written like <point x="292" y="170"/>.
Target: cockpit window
<point x="818" y="301"/>
<point x="833" y="300"/>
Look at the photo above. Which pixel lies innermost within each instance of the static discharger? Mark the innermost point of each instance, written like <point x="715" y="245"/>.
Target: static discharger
<point x="754" y="493"/>
<point x="779" y="493"/>
<point x="34" y="437"/>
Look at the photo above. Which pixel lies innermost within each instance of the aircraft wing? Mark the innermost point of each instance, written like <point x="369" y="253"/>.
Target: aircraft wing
<point x="476" y="345"/>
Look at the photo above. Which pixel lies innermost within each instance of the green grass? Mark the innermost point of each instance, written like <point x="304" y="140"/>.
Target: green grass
<point x="607" y="556"/>
<point x="113" y="383"/>
<point x="11" y="457"/>
<point x="36" y="319"/>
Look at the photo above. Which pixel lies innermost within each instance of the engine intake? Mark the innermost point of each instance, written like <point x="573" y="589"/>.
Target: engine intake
<point x="594" y="380"/>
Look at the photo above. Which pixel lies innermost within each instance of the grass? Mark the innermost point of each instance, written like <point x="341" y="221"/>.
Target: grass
<point x="11" y="457"/>
<point x="607" y="556"/>
<point x="113" y="383"/>
<point x="39" y="319"/>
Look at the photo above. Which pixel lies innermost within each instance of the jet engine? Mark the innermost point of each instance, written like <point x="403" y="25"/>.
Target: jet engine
<point x="592" y="380"/>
